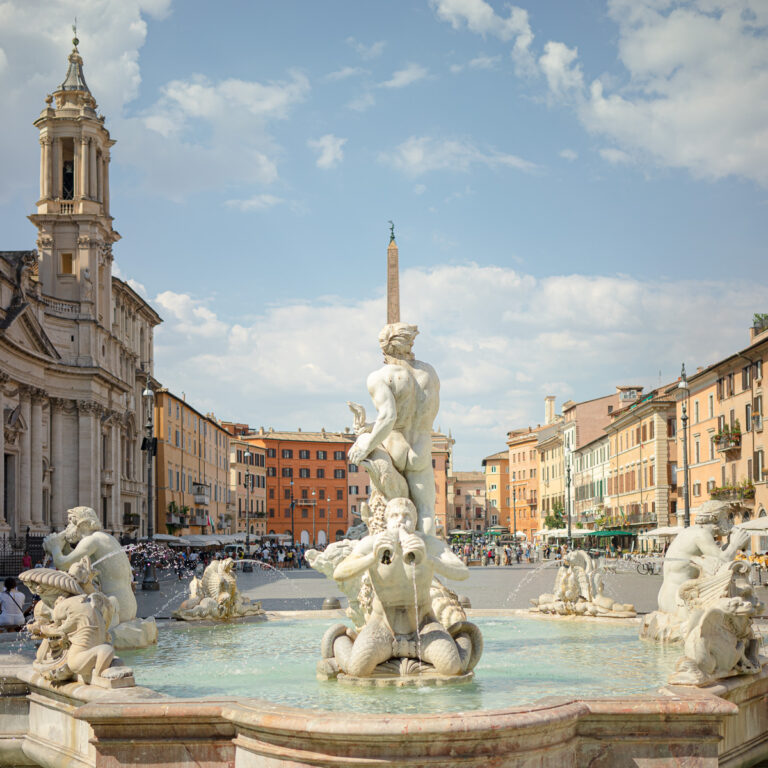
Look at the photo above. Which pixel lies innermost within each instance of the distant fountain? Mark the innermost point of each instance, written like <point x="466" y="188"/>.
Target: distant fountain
<point x="579" y="591"/>
<point x="215" y="596"/>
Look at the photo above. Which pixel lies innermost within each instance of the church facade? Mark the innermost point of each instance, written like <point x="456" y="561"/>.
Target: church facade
<point x="76" y="343"/>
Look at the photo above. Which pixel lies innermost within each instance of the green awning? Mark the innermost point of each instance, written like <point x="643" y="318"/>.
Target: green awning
<point x="612" y="533"/>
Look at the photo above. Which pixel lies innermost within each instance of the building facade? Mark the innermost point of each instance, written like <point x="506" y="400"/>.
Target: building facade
<point x="192" y="470"/>
<point x="591" y="469"/>
<point x="248" y="485"/>
<point x="76" y="343"/>
<point x="442" y="456"/>
<point x="467" y="502"/>
<point x="307" y="487"/>
<point x="524" y="480"/>
<point x="497" y="490"/>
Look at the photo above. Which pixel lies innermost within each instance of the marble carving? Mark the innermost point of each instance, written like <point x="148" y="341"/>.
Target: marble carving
<point x="408" y="625"/>
<point x="579" y="591"/>
<point x="84" y="537"/>
<point x="215" y="596"/>
<point x="71" y="619"/>
<point x="706" y="603"/>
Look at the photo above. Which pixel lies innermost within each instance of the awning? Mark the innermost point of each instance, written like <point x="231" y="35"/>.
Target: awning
<point x="612" y="533"/>
<point x="665" y="530"/>
<point x="459" y="532"/>
<point x="165" y="538"/>
<point x="758" y="524"/>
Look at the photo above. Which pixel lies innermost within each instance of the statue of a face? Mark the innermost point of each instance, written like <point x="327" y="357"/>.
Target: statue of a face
<point x="82" y="521"/>
<point x="401" y="515"/>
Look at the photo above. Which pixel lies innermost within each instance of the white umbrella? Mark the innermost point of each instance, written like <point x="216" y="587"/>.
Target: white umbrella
<point x="665" y="530"/>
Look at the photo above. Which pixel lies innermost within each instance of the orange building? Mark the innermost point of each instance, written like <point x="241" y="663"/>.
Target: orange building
<point x="466" y="502"/>
<point x="442" y="453"/>
<point x="524" y="480"/>
<point x="497" y="490"/>
<point x="306" y="478"/>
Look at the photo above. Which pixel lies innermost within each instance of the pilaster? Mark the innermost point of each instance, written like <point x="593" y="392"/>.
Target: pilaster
<point x="36" y="456"/>
<point x="25" y="468"/>
<point x="3" y="379"/>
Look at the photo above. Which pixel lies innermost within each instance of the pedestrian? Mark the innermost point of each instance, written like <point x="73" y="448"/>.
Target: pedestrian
<point x="26" y="561"/>
<point x="11" y="605"/>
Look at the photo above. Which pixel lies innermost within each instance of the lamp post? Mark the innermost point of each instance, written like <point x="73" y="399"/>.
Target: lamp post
<point x="514" y="515"/>
<point x="293" y="505"/>
<point x="248" y="478"/>
<point x="149" y="444"/>
<point x="683" y="387"/>
<point x="568" y="500"/>
<point x="328" y="522"/>
<point x="314" y="509"/>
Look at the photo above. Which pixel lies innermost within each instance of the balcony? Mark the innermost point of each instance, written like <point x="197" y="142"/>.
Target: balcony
<point x="730" y="441"/>
<point x="131" y="520"/>
<point x="198" y="520"/>
<point x="173" y="520"/>
<point x="741" y="492"/>
<point x="201" y="493"/>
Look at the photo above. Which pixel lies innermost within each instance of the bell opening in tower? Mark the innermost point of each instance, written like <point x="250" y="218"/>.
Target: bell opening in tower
<point x="68" y="180"/>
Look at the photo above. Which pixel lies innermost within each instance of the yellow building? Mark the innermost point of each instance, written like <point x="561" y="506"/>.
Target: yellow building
<point x="726" y="437"/>
<point x="192" y="470"/>
<point x="248" y="485"/>
<point x="497" y="490"/>
<point x="551" y="469"/>
<point x="442" y="452"/>
<point x="641" y="484"/>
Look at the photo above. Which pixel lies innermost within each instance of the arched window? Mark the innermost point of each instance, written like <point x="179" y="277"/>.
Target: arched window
<point x="321" y="540"/>
<point x="304" y="538"/>
<point x="339" y="535"/>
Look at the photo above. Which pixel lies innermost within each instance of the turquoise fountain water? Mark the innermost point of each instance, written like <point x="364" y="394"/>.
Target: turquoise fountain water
<point x="525" y="659"/>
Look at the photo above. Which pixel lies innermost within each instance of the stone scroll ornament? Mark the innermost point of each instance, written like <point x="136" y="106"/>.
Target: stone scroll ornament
<point x="84" y="537"/>
<point x="408" y="625"/>
<point x="215" y="596"/>
<point x="71" y="620"/>
<point x="579" y="591"/>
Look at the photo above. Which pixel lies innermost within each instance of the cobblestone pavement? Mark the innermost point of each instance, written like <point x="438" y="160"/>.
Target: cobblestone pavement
<point x="487" y="587"/>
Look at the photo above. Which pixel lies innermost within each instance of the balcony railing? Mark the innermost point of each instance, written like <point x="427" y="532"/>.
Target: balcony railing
<point x="198" y="520"/>
<point x="131" y="520"/>
<point x="730" y="442"/>
<point x="201" y="493"/>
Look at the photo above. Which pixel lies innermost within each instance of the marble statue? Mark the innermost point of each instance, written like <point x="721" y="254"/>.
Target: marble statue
<point x="406" y="393"/>
<point x="579" y="591"/>
<point x="72" y="620"/>
<point x="84" y="537"/>
<point x="215" y="596"/>
<point x="683" y="562"/>
<point x="325" y="562"/>
<point x="401" y="634"/>
<point x="720" y="639"/>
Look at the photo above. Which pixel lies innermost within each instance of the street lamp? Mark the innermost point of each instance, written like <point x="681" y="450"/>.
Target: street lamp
<point x="314" y="510"/>
<point x="328" y="522"/>
<point x="514" y="515"/>
<point x="683" y="387"/>
<point x="149" y="444"/>
<point x="568" y="499"/>
<point x="293" y="506"/>
<point x="247" y="567"/>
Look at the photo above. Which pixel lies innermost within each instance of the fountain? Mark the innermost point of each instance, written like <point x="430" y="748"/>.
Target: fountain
<point x="407" y="629"/>
<point x="579" y="591"/>
<point x="215" y="596"/>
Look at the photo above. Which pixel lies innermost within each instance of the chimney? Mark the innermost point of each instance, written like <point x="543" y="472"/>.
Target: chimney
<point x="549" y="409"/>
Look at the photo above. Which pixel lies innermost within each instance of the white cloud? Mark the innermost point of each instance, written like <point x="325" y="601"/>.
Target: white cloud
<point x="479" y="62"/>
<point x="419" y="189"/>
<point x="372" y="51"/>
<point x="345" y="73"/>
<point x="362" y="102"/>
<point x="410" y="74"/>
<point x="480" y="17"/>
<point x="569" y="154"/>
<point x="300" y="361"/>
<point x="615" y="156"/>
<point x="694" y="93"/>
<point x="558" y="63"/>
<point x="418" y="155"/>
<point x="255" y="203"/>
<point x="329" y="149"/>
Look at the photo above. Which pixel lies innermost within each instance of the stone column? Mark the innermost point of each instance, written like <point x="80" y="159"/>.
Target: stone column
<point x="117" y="474"/>
<point x="87" y="455"/>
<point x="58" y="503"/>
<point x="99" y="179"/>
<point x="76" y="155"/>
<point x="58" y="167"/>
<point x="43" y="166"/>
<point x="105" y="184"/>
<point x="36" y="454"/>
<point x="25" y="474"/>
<point x="83" y="169"/>
<point x="92" y="170"/>
<point x="3" y="380"/>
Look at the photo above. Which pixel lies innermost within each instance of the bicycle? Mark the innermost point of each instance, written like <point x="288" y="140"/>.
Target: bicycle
<point x="647" y="569"/>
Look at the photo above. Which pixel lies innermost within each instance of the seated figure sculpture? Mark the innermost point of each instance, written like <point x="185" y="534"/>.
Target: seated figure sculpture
<point x="84" y="537"/>
<point x="401" y="563"/>
<point x="692" y="554"/>
<point x="72" y="619"/>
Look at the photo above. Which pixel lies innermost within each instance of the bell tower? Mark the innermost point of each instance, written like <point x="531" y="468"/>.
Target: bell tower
<point x="75" y="234"/>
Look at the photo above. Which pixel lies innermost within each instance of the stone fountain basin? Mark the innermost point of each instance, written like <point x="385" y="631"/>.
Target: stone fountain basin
<point x="76" y="725"/>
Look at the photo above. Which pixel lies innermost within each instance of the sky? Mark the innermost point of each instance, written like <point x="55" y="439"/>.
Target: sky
<point x="579" y="191"/>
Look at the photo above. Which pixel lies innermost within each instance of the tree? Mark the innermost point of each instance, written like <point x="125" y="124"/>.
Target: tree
<point x="556" y="519"/>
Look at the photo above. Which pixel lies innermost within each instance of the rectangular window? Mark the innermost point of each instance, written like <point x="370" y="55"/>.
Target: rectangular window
<point x="651" y="480"/>
<point x="177" y="438"/>
<point x="304" y="472"/>
<point x="271" y="471"/>
<point x="271" y="452"/>
<point x="321" y="455"/>
<point x="67" y="264"/>
<point x="287" y="471"/>
<point x="697" y="452"/>
<point x="353" y="490"/>
<point x="170" y="479"/>
<point x="287" y="453"/>
<point x="695" y="411"/>
<point x="711" y="406"/>
<point x="271" y="493"/>
<point x="746" y="378"/>
<point x="339" y="474"/>
<point x="303" y="454"/>
<point x="320" y="473"/>
<point x="339" y="495"/>
<point x="353" y="468"/>
<point x="339" y="513"/>
<point x="304" y="493"/>
<point x="338" y="456"/>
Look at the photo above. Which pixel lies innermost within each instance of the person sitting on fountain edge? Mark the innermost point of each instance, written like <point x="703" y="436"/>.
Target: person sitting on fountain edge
<point x="401" y="562"/>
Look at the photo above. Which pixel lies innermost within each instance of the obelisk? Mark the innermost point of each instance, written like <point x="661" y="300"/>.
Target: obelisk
<point x="393" y="279"/>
